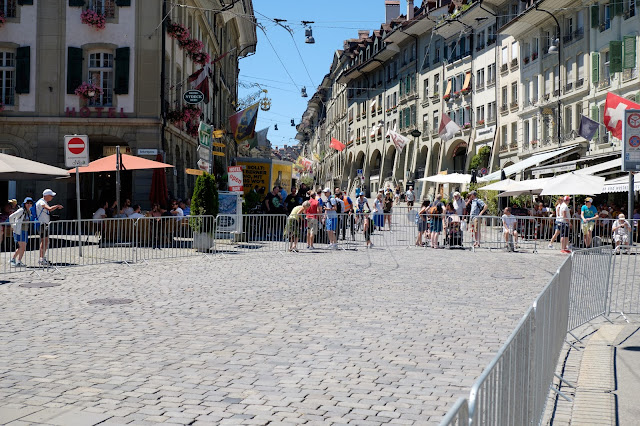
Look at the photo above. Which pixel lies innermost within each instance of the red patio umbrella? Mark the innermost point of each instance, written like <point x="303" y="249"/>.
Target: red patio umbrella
<point x="129" y="162"/>
<point x="159" y="190"/>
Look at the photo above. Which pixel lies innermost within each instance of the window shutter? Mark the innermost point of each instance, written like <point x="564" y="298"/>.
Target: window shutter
<point x="615" y="61"/>
<point x="595" y="112"/>
<point x="629" y="52"/>
<point x="25" y="2"/>
<point x="595" y="67"/>
<point x="121" y="84"/>
<point x="123" y="3"/>
<point x="637" y="97"/>
<point x="23" y="69"/>
<point x="407" y="117"/>
<point x="76" y="3"/>
<point x="595" y="16"/>
<point x="74" y="69"/>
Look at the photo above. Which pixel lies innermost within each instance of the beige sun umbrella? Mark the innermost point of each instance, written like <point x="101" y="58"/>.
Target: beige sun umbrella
<point x="17" y="168"/>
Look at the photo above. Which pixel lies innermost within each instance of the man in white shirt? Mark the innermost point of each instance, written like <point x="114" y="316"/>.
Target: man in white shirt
<point x="43" y="212"/>
<point x="563" y="224"/>
<point x="509" y="226"/>
<point x="136" y="212"/>
<point x="127" y="210"/>
<point x="176" y="210"/>
<point x="458" y="204"/>
<point x="410" y="197"/>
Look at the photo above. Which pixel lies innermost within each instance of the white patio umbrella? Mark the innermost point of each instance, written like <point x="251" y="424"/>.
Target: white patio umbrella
<point x="16" y="168"/>
<point x="449" y="178"/>
<point x="501" y="185"/>
<point x="573" y="184"/>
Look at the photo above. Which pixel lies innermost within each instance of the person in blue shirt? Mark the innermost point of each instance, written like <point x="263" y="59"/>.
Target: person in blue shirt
<point x="589" y="215"/>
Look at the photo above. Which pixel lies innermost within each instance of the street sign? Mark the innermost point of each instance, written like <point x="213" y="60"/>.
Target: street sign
<point x="193" y="96"/>
<point x="235" y="178"/>
<point x="142" y="151"/>
<point x="204" y="134"/>
<point x="483" y="171"/>
<point x="76" y="150"/>
<point x="360" y="173"/>
<point x="203" y="165"/>
<point x="631" y="141"/>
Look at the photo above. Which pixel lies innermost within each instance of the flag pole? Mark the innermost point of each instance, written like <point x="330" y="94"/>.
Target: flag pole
<point x="631" y="198"/>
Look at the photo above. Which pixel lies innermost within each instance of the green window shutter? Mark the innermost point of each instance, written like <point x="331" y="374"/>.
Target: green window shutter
<point x="637" y="97"/>
<point x="615" y="51"/>
<point x="629" y="52"/>
<point x="123" y="3"/>
<point x="74" y="69"/>
<point x="595" y="16"/>
<point x="400" y="118"/>
<point x="595" y="117"/>
<point x="121" y="84"/>
<point x="23" y="69"/>
<point x="76" y="3"/>
<point x="407" y="117"/>
<point x="25" y="2"/>
<point x="595" y="67"/>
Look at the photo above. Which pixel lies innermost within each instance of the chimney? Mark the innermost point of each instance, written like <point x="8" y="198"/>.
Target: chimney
<point x="392" y="10"/>
<point x="363" y="34"/>
<point x="409" y="10"/>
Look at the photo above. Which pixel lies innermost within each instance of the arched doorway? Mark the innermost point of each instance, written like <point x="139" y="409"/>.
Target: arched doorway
<point x="399" y="172"/>
<point x="389" y="160"/>
<point x="459" y="158"/>
<point x="374" y="171"/>
<point x="421" y="162"/>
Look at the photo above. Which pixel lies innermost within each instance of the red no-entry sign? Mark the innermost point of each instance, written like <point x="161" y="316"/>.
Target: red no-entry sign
<point x="76" y="150"/>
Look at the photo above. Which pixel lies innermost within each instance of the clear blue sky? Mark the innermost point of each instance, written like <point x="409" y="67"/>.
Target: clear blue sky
<point x="335" y="21"/>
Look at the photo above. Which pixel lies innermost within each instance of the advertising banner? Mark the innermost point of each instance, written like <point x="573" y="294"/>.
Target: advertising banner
<point x="235" y="178"/>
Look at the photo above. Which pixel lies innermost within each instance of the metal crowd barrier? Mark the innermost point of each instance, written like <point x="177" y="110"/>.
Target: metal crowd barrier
<point x="624" y="294"/>
<point x="458" y="415"/>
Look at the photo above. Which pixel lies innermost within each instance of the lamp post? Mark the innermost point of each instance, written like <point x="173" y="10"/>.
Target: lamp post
<point x="556" y="47"/>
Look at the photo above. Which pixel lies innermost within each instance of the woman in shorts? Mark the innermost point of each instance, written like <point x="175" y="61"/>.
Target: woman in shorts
<point x="20" y="224"/>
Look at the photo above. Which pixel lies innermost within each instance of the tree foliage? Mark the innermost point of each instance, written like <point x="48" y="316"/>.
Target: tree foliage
<point x="205" y="196"/>
<point x="481" y="159"/>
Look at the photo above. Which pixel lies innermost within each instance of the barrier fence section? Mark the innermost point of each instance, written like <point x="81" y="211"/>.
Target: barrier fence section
<point x="590" y="283"/>
<point x="513" y="388"/>
<point x="458" y="415"/>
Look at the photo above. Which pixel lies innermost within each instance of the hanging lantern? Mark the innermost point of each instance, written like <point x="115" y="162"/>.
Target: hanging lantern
<point x="308" y="33"/>
<point x="275" y="127"/>
<point x="265" y="104"/>
<point x="304" y="92"/>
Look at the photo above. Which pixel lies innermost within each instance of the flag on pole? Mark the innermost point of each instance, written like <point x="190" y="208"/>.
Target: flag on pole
<point x="306" y="163"/>
<point x="398" y="140"/>
<point x="221" y="57"/>
<point x="260" y="139"/>
<point x="243" y="123"/>
<point x="614" y="108"/>
<point x="448" y="128"/>
<point x="337" y="145"/>
<point x="587" y="128"/>
<point x="199" y="80"/>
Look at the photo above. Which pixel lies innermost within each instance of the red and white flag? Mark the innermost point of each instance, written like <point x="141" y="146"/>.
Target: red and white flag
<point x="199" y="80"/>
<point x="398" y="140"/>
<point x="614" y="108"/>
<point x="448" y="128"/>
<point x="336" y="144"/>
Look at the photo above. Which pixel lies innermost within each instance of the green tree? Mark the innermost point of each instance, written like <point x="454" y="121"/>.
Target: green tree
<point x="481" y="159"/>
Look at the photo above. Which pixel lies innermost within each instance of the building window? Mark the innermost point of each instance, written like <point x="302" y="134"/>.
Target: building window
<point x="526" y="139"/>
<point x="480" y="79"/>
<point x="491" y="111"/>
<point x="8" y="7"/>
<point x="101" y="74"/>
<point x="491" y="74"/>
<point x="436" y="121"/>
<point x="526" y="98"/>
<point x="514" y="134"/>
<point x="547" y="83"/>
<point x="436" y="84"/>
<point x="514" y="93"/>
<point x="605" y="67"/>
<point x="7" y="77"/>
<point x="504" y="97"/>
<point x="480" y="40"/>
<point x="425" y="88"/>
<point x="534" y="129"/>
<point x="567" y="120"/>
<point x="534" y="90"/>
<point x="504" y="136"/>
<point x="103" y="7"/>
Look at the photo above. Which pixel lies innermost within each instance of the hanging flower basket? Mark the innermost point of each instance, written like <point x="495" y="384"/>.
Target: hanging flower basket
<point x="466" y="126"/>
<point x="189" y="115"/>
<point x="199" y="57"/>
<point x="93" y="19"/>
<point x="175" y="116"/>
<point x="88" y="90"/>
<point x="178" y="31"/>
<point x="191" y="45"/>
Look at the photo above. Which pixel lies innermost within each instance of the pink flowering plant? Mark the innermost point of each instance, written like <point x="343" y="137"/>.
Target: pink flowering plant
<point x="191" y="45"/>
<point x="2" y="19"/>
<point x="178" y="31"/>
<point x="188" y="115"/>
<point x="199" y="57"/>
<point x="84" y="89"/>
<point x="93" y="19"/>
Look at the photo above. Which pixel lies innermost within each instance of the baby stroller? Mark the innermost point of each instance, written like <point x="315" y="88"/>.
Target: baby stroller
<point x="453" y="236"/>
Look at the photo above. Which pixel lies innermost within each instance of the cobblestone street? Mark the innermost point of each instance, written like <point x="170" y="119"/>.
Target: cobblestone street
<point x="363" y="337"/>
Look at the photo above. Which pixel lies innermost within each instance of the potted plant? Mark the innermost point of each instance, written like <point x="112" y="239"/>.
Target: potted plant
<point x="178" y="31"/>
<point x="93" y="19"/>
<point x="88" y="91"/>
<point x="526" y="59"/>
<point x="480" y="122"/>
<point x="466" y="126"/>
<point x="446" y="97"/>
<point x="204" y="209"/>
<point x="534" y="56"/>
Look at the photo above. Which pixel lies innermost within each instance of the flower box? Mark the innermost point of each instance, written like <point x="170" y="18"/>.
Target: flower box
<point x="85" y="89"/>
<point x="534" y="56"/>
<point x="178" y="31"/>
<point x="446" y="97"/>
<point x="93" y="19"/>
<point x="480" y="122"/>
<point x="466" y="126"/>
<point x="2" y="19"/>
<point x="526" y="59"/>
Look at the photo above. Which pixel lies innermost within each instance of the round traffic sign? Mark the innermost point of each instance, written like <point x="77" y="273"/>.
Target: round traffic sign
<point x="76" y="146"/>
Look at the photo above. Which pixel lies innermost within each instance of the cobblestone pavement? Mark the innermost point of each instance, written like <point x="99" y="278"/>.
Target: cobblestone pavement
<point x="362" y="337"/>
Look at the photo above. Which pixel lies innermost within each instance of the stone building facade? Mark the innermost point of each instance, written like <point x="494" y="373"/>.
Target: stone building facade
<point x="47" y="52"/>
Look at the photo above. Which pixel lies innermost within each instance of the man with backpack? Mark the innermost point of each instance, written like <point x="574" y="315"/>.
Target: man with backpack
<point x="43" y="217"/>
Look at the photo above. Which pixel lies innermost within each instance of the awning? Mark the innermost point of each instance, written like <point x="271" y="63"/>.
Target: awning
<point x="17" y="168"/>
<point x="620" y="184"/>
<point x="573" y="184"/>
<point x="467" y="80"/>
<point x="529" y="162"/>
<point x="597" y="168"/>
<point x="568" y="166"/>
<point x="448" y="91"/>
<point x="449" y="178"/>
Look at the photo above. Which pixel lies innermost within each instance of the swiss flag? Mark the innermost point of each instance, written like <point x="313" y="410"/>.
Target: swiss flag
<point x="336" y="144"/>
<point x="614" y="108"/>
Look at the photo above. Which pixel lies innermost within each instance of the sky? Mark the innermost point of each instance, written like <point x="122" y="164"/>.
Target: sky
<point x="335" y="21"/>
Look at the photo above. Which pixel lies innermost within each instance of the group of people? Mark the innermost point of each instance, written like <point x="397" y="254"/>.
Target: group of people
<point x="31" y="216"/>
<point x="178" y="209"/>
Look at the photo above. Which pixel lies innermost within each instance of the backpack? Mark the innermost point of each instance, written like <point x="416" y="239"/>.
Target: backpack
<point x="34" y="215"/>
<point x="338" y="206"/>
<point x="433" y="210"/>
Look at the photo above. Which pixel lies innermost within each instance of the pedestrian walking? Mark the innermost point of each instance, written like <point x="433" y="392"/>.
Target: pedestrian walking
<point x="410" y="197"/>
<point x="43" y="217"/>
<point x="19" y="221"/>
<point x="589" y="215"/>
<point x="563" y="221"/>
<point x="378" y="209"/>
<point x="477" y="209"/>
<point x="421" y="219"/>
<point x="387" y="208"/>
<point x="331" y="220"/>
<point x="312" y="219"/>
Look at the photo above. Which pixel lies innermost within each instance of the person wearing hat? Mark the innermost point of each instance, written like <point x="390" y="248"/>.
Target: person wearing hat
<point x="458" y="204"/>
<point x="19" y="221"/>
<point x="361" y="202"/>
<point x="589" y="215"/>
<point x="331" y="222"/>
<point x="563" y="224"/>
<point x="621" y="230"/>
<point x="43" y="216"/>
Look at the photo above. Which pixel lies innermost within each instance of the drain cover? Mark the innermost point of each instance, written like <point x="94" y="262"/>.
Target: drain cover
<point x="110" y="301"/>
<point x="507" y="276"/>
<point x="39" y="285"/>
